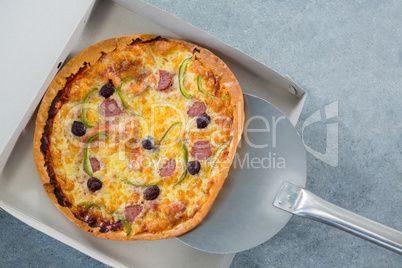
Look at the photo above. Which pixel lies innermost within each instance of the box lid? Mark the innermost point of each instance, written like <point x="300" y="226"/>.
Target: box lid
<point x="32" y="54"/>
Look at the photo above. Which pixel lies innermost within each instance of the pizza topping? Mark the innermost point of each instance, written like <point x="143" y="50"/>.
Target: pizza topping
<point x="123" y="99"/>
<point x="87" y="162"/>
<point x="193" y="167"/>
<point x="94" y="184"/>
<point x="168" y="130"/>
<point x="217" y="153"/>
<point x="151" y="193"/>
<point x="151" y="205"/>
<point x="107" y="90"/>
<point x="109" y="108"/>
<point x="175" y="210"/>
<point x="182" y="71"/>
<point x="164" y="80"/>
<point x="88" y="204"/>
<point x="226" y="96"/>
<point x="202" y="90"/>
<point x="84" y="109"/>
<point x="124" y="221"/>
<point x="184" y="156"/>
<point x="117" y="226"/>
<point x="140" y="85"/>
<point x="168" y="169"/>
<point x="201" y="150"/>
<point x="203" y="121"/>
<point x="78" y="129"/>
<point x="141" y="184"/>
<point x="131" y="212"/>
<point x="135" y="156"/>
<point x="197" y="109"/>
<point x="148" y="143"/>
<point x="95" y="164"/>
<point x="216" y="85"/>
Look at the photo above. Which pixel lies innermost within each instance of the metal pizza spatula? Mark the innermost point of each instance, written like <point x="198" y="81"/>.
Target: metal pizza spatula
<point x="265" y="187"/>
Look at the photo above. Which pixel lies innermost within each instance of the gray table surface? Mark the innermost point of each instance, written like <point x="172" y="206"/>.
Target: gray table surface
<point x="349" y="52"/>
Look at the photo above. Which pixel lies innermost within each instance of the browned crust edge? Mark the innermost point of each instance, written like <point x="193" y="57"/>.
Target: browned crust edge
<point x="91" y="55"/>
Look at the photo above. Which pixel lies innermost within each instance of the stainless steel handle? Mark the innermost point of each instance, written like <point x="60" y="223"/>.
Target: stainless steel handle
<point x="306" y="204"/>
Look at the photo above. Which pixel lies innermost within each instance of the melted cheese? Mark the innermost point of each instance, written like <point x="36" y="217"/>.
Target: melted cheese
<point x="121" y="155"/>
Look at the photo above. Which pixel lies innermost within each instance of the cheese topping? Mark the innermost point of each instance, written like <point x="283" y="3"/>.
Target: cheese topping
<point x="142" y="111"/>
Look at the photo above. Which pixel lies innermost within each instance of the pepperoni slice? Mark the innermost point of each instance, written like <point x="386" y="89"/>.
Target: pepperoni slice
<point x="95" y="164"/>
<point x="131" y="212"/>
<point x="201" y="150"/>
<point x="164" y="80"/>
<point x="109" y="107"/>
<point x="168" y="169"/>
<point x="197" y="109"/>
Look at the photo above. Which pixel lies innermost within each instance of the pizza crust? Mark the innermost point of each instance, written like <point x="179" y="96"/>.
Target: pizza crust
<point x="91" y="55"/>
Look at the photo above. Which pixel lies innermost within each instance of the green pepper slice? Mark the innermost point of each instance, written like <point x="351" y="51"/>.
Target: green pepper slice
<point x="184" y="155"/>
<point x="126" y="223"/>
<point x="168" y="130"/>
<point x="123" y="99"/>
<point x="88" y="204"/>
<point x="142" y="184"/>
<point x="182" y="70"/>
<point x="226" y="96"/>
<point x="202" y="90"/>
<point x="216" y="156"/>
<point x="87" y="163"/>
<point x="84" y="109"/>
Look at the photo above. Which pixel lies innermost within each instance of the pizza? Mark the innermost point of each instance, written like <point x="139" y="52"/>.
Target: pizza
<point x="135" y="136"/>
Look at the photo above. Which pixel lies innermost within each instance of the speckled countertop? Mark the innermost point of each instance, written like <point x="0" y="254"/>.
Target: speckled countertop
<point x="343" y="52"/>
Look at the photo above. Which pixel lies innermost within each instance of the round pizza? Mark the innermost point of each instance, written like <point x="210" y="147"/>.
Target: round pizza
<point x="135" y="136"/>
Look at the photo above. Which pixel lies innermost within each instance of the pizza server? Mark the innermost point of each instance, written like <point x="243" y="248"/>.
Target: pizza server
<point x="265" y="188"/>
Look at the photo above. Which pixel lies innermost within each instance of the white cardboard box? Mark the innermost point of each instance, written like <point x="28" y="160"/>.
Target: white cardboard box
<point x="21" y="192"/>
<point x="31" y="50"/>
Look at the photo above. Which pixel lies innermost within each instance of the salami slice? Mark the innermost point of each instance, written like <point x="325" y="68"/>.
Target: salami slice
<point x="109" y="108"/>
<point x="95" y="164"/>
<point x="164" y="80"/>
<point x="197" y="109"/>
<point x="168" y="169"/>
<point x="201" y="150"/>
<point x="131" y="212"/>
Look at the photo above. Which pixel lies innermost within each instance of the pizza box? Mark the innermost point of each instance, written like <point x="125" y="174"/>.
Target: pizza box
<point x="77" y="25"/>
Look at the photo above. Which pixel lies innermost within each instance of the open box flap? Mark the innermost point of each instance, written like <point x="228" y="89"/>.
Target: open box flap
<point x="31" y="55"/>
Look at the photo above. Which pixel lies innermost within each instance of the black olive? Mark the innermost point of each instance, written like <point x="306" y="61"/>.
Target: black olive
<point x="107" y="90"/>
<point x="94" y="184"/>
<point x="78" y="128"/>
<point x="148" y="143"/>
<point x="151" y="192"/>
<point x="193" y="167"/>
<point x="203" y="120"/>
